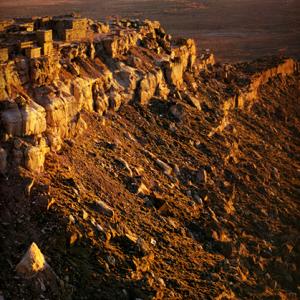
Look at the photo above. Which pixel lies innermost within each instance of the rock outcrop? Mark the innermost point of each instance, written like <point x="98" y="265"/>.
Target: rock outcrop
<point x="42" y="98"/>
<point x="34" y="268"/>
<point x="32" y="262"/>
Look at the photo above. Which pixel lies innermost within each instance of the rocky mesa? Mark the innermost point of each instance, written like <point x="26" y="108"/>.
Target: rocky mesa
<point x="144" y="168"/>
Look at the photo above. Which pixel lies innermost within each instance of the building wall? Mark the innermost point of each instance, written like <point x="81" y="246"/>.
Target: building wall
<point x="44" y="36"/>
<point x="33" y="52"/>
<point x="71" y="29"/>
<point x="47" y="48"/>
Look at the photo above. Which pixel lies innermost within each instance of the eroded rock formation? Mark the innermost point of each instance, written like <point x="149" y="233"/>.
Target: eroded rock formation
<point x="42" y="97"/>
<point x="94" y="69"/>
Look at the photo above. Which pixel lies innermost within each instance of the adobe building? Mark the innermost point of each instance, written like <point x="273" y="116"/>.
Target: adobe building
<point x="5" y="24"/>
<point x="34" y="52"/>
<point x="26" y="44"/>
<point x="36" y="36"/>
<point x="25" y="24"/>
<point x="44" y="36"/>
<point x="70" y="28"/>
<point x="45" y="41"/>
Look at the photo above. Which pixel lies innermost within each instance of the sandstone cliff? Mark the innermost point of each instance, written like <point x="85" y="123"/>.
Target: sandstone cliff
<point x="42" y="98"/>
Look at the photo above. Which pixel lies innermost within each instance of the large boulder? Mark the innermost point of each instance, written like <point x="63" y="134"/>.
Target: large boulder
<point x="61" y="109"/>
<point x="127" y="77"/>
<point x="151" y="84"/>
<point x="83" y="93"/>
<point x="33" y="119"/>
<point x="182" y="58"/>
<point x="174" y="73"/>
<point x="44" y="70"/>
<point x="36" y="271"/>
<point x="23" y="118"/>
<point x="32" y="262"/>
<point x="147" y="88"/>
<point x="120" y="44"/>
<point x="35" y="156"/>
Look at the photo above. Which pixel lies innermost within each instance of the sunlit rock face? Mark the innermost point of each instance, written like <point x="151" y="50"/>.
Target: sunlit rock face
<point x="70" y="65"/>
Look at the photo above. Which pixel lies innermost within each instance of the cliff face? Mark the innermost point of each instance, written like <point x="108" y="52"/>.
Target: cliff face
<point x="42" y="98"/>
<point x="144" y="169"/>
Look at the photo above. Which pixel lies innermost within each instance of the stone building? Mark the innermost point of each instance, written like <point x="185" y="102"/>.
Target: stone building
<point x="45" y="41"/>
<point x="36" y="36"/>
<point x="26" y="44"/>
<point x="44" y="36"/>
<point x="33" y="52"/>
<point x="5" y="24"/>
<point x="69" y="28"/>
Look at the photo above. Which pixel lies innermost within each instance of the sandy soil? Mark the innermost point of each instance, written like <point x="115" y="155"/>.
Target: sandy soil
<point x="234" y="30"/>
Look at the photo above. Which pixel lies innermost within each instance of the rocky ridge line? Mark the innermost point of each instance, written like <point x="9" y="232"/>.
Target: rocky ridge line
<point x="42" y="99"/>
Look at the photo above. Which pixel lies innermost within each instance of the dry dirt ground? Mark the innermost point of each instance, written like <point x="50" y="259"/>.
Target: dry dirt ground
<point x="230" y="234"/>
<point x="235" y="30"/>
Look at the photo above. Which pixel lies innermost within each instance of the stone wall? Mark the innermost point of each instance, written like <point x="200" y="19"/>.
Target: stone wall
<point x="70" y="29"/>
<point x="4" y="24"/>
<point x="34" y="52"/>
<point x="44" y="36"/>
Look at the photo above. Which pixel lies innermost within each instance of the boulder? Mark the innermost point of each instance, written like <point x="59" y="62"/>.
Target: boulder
<point x="33" y="119"/>
<point x="35" y="270"/>
<point x="206" y="61"/>
<point x="162" y="90"/>
<point x="115" y="100"/>
<point x="174" y="72"/>
<point x="201" y="176"/>
<point x="32" y="262"/>
<point x="147" y="88"/>
<point x="23" y="119"/>
<point x="35" y="156"/>
<point x="61" y="109"/>
<point x="104" y="208"/>
<point x="192" y="100"/>
<point x="101" y="103"/>
<point x="44" y="70"/>
<point x="83" y="93"/>
<point x="152" y="83"/>
<point x="120" y="44"/>
<point x="127" y="77"/>
<point x="164" y="166"/>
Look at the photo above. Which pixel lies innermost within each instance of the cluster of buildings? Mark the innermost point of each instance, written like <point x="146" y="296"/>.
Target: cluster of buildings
<point x="38" y="36"/>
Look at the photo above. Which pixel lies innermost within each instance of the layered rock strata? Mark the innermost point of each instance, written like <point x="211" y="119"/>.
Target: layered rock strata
<point x="42" y="98"/>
